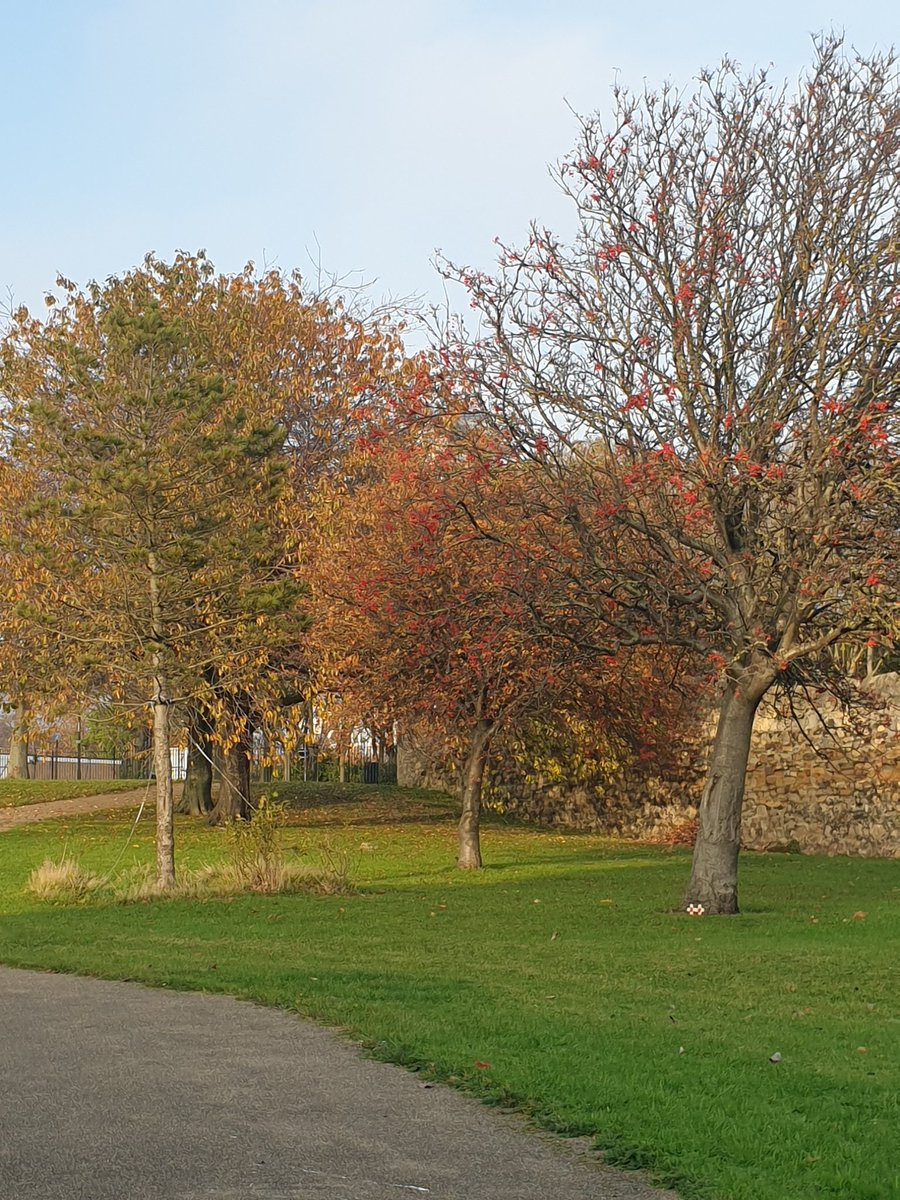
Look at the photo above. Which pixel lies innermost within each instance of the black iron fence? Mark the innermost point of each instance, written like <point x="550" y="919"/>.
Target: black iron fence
<point x="312" y="763"/>
<point x="54" y="764"/>
<point x="319" y="764"/>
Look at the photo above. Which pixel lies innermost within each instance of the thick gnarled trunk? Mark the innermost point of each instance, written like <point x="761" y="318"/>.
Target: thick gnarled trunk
<point x="17" y="765"/>
<point x="714" y="869"/>
<point x="233" y="802"/>
<point x="469" y="857"/>
<point x="196" y="796"/>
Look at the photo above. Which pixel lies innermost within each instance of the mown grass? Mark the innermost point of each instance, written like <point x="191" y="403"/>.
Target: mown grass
<point x="16" y="792"/>
<point x="558" y="980"/>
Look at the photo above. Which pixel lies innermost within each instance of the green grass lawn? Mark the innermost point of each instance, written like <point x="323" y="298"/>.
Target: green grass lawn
<point x="14" y="792"/>
<point x="557" y="980"/>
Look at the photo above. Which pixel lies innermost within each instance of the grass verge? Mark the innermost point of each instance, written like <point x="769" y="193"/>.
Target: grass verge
<point x="557" y="980"/>
<point x="16" y="792"/>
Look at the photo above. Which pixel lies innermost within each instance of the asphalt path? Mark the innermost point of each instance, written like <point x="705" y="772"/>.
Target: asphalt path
<point x="112" y="1091"/>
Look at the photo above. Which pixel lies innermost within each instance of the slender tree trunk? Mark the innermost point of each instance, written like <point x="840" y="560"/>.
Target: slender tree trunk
<point x="342" y="767"/>
<point x="162" y="755"/>
<point x="196" y="797"/>
<point x="469" y="858"/>
<point x="715" y="865"/>
<point x="162" y="763"/>
<point x="17" y="765"/>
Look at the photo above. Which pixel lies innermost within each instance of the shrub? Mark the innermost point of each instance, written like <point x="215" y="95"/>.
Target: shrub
<point x="257" y="859"/>
<point x="136" y="884"/>
<point x="256" y="863"/>
<point x="224" y="879"/>
<point x="63" y="882"/>
<point x="682" y="834"/>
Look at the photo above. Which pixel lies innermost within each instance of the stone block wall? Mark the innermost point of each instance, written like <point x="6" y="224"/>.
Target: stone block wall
<point x="830" y="785"/>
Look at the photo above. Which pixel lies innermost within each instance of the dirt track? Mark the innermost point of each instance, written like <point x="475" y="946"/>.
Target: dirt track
<point x="27" y="814"/>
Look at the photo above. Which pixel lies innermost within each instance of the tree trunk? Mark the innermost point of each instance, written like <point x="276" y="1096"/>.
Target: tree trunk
<point x="162" y="754"/>
<point x="233" y="803"/>
<point x="714" y="869"/>
<point x="469" y="858"/>
<point x="342" y="767"/>
<point x="162" y="763"/>
<point x="17" y="765"/>
<point x="196" y="797"/>
<point x="237" y="771"/>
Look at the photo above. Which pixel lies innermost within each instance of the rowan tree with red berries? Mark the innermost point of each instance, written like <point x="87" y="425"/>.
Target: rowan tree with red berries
<point x="431" y="570"/>
<point x="718" y="350"/>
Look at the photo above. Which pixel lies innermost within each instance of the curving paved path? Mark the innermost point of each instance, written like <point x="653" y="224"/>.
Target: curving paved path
<point x="111" y="1091"/>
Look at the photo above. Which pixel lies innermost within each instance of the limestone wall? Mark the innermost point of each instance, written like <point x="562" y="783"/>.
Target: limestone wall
<point x="829" y="786"/>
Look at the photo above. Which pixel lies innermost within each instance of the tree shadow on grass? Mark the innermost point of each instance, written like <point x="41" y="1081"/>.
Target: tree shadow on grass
<point x="363" y="820"/>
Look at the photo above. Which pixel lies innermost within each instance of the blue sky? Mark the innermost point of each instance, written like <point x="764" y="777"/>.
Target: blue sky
<point x="361" y="136"/>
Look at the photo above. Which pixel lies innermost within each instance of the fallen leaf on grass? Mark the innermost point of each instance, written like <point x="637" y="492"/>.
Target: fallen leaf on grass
<point x="482" y="1066"/>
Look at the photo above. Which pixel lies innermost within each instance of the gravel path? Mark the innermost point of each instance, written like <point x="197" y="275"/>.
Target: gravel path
<point x="27" y="814"/>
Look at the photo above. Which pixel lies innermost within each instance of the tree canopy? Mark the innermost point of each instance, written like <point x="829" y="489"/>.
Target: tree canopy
<point x="718" y="349"/>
